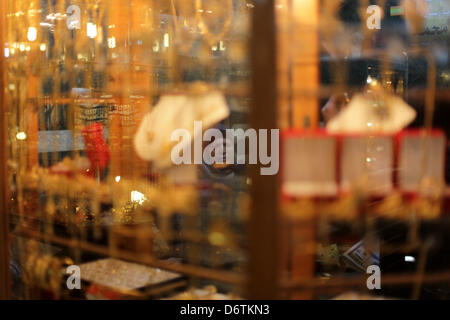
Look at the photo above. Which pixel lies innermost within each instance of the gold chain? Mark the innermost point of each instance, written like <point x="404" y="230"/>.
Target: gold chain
<point x="182" y="46"/>
<point x="210" y="38"/>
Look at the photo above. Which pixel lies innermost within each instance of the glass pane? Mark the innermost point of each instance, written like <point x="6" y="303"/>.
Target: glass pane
<point x="106" y="103"/>
<point x="363" y="96"/>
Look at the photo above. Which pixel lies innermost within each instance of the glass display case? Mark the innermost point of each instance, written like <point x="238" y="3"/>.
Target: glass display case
<point x="94" y="92"/>
<point x="224" y="149"/>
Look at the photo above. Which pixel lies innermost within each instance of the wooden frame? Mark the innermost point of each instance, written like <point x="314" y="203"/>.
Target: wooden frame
<point x="263" y="269"/>
<point x="4" y="225"/>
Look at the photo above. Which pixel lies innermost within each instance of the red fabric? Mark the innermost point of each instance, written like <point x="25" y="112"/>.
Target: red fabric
<point x="97" y="149"/>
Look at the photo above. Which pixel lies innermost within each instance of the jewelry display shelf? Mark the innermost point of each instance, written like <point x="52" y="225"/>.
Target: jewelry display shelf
<point x="284" y="238"/>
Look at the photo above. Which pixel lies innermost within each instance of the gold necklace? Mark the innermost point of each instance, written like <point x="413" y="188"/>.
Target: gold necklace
<point x="211" y="38"/>
<point x="182" y="45"/>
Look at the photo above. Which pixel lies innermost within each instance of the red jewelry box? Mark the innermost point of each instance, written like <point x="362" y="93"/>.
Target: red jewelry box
<point x="308" y="164"/>
<point x="318" y="164"/>
<point x="421" y="160"/>
<point x="367" y="164"/>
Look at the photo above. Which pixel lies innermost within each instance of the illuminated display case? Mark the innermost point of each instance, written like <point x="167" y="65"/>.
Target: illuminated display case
<point x="97" y="91"/>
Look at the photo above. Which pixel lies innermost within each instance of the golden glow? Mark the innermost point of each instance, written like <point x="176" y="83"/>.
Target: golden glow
<point x="217" y="238"/>
<point x="112" y="42"/>
<point x="91" y="30"/>
<point x="138" y="197"/>
<point x="166" y="40"/>
<point x="32" y="34"/>
<point x="21" y="136"/>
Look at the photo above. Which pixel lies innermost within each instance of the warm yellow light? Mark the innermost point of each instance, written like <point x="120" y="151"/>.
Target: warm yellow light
<point x="138" y="197"/>
<point x="217" y="239"/>
<point x="112" y="42"/>
<point x="117" y="179"/>
<point x="156" y="46"/>
<point x="222" y="46"/>
<point x="32" y="34"/>
<point x="166" y="40"/>
<point x="91" y="30"/>
<point x="22" y="47"/>
<point x="21" y="136"/>
<point x="43" y="47"/>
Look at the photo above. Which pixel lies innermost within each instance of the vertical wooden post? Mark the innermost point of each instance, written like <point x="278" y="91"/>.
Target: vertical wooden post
<point x="298" y="74"/>
<point x="305" y="63"/>
<point x="4" y="227"/>
<point x="263" y="269"/>
<point x="305" y="86"/>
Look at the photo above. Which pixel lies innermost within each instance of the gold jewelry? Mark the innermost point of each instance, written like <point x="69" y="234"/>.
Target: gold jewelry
<point x="210" y="38"/>
<point x="39" y="272"/>
<point x="29" y="269"/>
<point x="55" y="276"/>
<point x="182" y="45"/>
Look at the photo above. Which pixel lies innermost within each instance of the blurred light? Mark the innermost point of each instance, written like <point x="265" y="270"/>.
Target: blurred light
<point x="22" y="47"/>
<point x="75" y="24"/>
<point x="217" y="239"/>
<point x="6" y="52"/>
<point x="21" y="136"/>
<point x="222" y="46"/>
<point x="117" y="179"/>
<point x="43" y="47"/>
<point x="112" y="42"/>
<point x="397" y="11"/>
<point x="166" y="40"/>
<point x="32" y="34"/>
<point x="410" y="259"/>
<point x="138" y="197"/>
<point x="156" y="46"/>
<point x="91" y="30"/>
